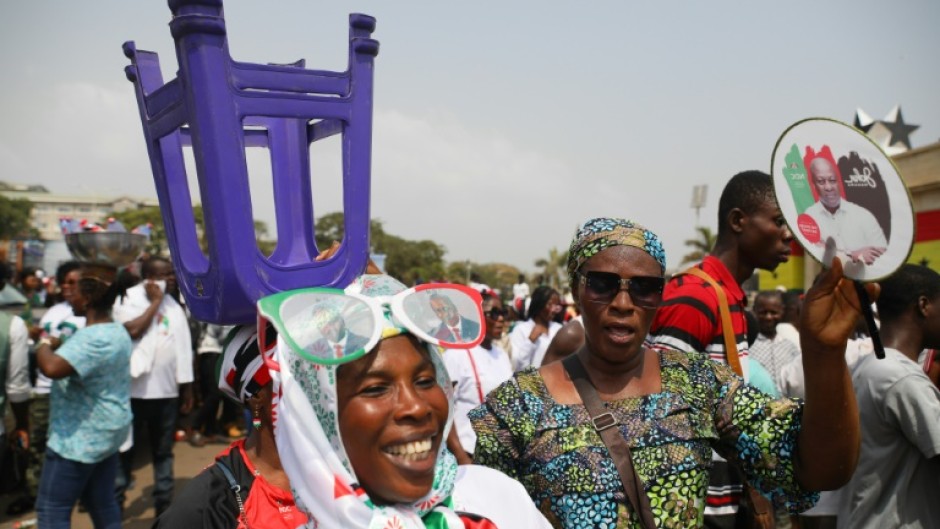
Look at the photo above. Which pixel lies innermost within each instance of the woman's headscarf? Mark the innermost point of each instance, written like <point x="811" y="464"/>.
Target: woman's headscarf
<point x="240" y="372"/>
<point x="308" y="439"/>
<point x="601" y="233"/>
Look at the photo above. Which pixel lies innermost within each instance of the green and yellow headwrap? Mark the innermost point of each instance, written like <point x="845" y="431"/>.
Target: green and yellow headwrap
<point x="601" y="233"/>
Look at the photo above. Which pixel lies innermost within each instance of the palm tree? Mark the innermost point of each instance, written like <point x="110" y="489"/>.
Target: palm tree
<point x="700" y="245"/>
<point x="553" y="268"/>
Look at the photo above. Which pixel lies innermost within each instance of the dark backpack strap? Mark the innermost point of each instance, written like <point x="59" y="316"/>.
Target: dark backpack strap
<point x="236" y="489"/>
<point x="605" y="424"/>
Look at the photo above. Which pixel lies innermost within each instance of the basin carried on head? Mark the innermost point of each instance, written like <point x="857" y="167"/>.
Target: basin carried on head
<point x="106" y="247"/>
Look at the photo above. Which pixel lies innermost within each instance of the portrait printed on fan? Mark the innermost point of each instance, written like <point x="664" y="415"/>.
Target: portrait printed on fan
<point x="842" y="204"/>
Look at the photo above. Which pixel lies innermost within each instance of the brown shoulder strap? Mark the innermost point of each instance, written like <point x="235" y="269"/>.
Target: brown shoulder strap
<point x="731" y="344"/>
<point x="605" y="424"/>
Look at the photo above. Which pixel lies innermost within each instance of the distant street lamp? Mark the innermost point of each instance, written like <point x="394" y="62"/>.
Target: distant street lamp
<point x="699" y="193"/>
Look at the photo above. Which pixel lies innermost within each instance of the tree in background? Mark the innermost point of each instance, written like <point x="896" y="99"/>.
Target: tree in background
<point x="700" y="245"/>
<point x="408" y="261"/>
<point x="499" y="276"/>
<point x="14" y="219"/>
<point x="553" y="268"/>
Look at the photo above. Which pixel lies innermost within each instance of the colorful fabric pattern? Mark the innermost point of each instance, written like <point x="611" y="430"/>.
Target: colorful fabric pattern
<point x="554" y="451"/>
<point x="601" y="233"/>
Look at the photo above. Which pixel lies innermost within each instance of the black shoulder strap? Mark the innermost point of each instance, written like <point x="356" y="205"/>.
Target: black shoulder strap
<point x="236" y="489"/>
<point x="605" y="424"/>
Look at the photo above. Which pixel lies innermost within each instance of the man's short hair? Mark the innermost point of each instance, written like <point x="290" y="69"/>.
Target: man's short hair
<point x="747" y="191"/>
<point x="769" y="294"/>
<point x="903" y="288"/>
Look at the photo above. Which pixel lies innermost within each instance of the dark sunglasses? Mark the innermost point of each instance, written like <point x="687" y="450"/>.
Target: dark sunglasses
<point x="496" y="313"/>
<point x="602" y="287"/>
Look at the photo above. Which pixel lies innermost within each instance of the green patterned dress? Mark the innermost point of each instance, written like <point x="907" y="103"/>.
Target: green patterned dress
<point x="553" y="450"/>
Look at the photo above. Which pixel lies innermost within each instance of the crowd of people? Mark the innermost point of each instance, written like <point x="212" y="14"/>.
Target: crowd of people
<point x="633" y="398"/>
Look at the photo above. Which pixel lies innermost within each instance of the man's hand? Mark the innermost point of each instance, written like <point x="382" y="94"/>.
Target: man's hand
<point x="831" y="309"/>
<point x="154" y="293"/>
<point x="867" y="254"/>
<point x="186" y="399"/>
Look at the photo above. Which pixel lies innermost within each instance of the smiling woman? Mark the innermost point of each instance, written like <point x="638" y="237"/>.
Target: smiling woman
<point x="363" y="442"/>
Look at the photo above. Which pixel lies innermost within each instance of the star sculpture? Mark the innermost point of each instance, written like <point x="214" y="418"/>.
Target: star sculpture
<point x="892" y="134"/>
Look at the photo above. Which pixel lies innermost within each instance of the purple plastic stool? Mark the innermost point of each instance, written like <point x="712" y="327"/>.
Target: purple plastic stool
<point x="221" y="107"/>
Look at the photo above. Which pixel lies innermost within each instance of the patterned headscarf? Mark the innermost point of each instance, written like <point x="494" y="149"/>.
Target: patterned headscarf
<point x="239" y="371"/>
<point x="306" y="431"/>
<point x="601" y="233"/>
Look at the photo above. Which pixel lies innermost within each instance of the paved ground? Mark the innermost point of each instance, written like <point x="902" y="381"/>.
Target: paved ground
<point x="138" y="511"/>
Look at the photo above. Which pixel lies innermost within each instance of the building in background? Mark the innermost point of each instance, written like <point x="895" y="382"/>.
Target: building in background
<point x="48" y="208"/>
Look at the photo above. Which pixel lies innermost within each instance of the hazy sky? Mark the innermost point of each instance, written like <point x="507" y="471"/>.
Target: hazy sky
<point x="498" y="126"/>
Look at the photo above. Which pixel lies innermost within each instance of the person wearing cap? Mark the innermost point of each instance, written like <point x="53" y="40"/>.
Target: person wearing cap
<point x="670" y="408"/>
<point x="263" y="498"/>
<point x="90" y="408"/>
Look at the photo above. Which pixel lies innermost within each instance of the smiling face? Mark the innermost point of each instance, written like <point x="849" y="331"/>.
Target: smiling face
<point x="392" y="414"/>
<point x="615" y="331"/>
<point x="826" y="182"/>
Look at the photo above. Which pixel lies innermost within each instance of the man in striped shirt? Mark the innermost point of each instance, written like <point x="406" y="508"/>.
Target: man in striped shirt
<point x="752" y="234"/>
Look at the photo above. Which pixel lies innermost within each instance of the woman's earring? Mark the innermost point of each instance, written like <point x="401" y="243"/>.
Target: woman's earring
<point x="256" y="420"/>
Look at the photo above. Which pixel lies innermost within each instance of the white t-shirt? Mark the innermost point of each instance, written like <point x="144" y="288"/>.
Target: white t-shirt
<point x="475" y="372"/>
<point x="525" y="352"/>
<point x="520" y="291"/>
<point x="501" y="499"/>
<point x="17" y="375"/>
<point x="59" y="322"/>
<point x="898" y="475"/>
<point x="167" y="344"/>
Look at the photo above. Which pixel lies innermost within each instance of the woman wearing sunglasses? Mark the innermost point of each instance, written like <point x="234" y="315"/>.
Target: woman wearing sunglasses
<point x="530" y="339"/>
<point x="361" y="429"/>
<point x="246" y="486"/>
<point x="475" y="372"/>
<point x="662" y="413"/>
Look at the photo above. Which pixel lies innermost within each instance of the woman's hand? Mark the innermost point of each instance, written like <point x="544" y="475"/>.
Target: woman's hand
<point x="831" y="308"/>
<point x="537" y="332"/>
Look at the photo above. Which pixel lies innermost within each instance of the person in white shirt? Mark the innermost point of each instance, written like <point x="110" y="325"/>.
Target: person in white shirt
<point x="161" y="372"/>
<point x="854" y="229"/>
<point x="895" y="484"/>
<point x="520" y="291"/>
<point x="530" y="339"/>
<point x="14" y="367"/>
<point x="771" y="349"/>
<point x="475" y="372"/>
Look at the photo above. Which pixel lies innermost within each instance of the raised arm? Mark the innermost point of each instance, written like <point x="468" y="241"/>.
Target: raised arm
<point x="830" y="436"/>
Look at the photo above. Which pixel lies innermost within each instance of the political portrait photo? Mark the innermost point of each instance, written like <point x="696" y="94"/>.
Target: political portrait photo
<point x="843" y="197"/>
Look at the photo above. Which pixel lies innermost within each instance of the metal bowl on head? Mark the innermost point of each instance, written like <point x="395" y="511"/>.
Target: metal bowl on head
<point x="111" y="247"/>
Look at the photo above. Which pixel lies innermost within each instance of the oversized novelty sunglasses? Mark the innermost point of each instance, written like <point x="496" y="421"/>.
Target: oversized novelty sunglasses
<point x="603" y="287"/>
<point x="330" y="326"/>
